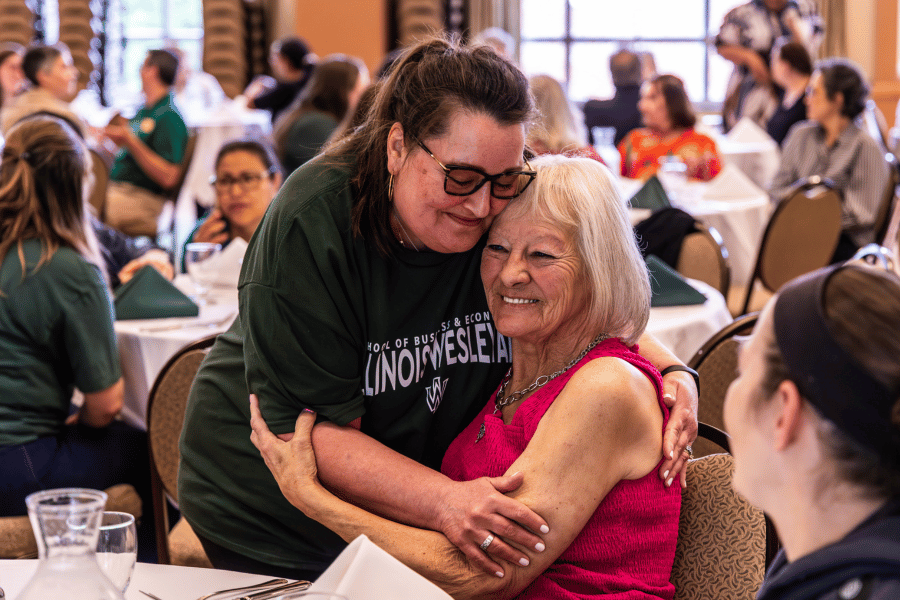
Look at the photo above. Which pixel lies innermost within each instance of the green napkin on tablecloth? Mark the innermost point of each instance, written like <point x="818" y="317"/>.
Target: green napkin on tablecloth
<point x="651" y="195"/>
<point x="669" y="287"/>
<point x="149" y="295"/>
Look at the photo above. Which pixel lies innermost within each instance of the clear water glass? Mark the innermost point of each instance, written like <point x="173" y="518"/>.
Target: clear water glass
<point x="117" y="548"/>
<point x="201" y="269"/>
<point x="672" y="175"/>
<point x="66" y="524"/>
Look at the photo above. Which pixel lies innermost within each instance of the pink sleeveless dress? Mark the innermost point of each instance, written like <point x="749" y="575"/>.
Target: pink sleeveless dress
<point x="627" y="547"/>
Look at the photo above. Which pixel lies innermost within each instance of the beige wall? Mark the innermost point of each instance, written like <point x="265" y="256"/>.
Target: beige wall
<point x="356" y="27"/>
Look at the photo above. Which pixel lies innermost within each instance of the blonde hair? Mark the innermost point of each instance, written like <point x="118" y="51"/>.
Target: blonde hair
<point x="42" y="191"/>
<point x="558" y="128"/>
<point x="579" y="197"/>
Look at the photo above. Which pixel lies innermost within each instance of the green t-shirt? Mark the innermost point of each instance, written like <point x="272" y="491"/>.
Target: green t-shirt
<point x="56" y="333"/>
<point x="305" y="138"/>
<point x="160" y="127"/>
<point x="326" y="322"/>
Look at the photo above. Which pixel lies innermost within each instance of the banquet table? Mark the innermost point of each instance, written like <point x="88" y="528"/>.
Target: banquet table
<point x="741" y="221"/>
<point x="169" y="582"/>
<point x="146" y="345"/>
<point x="758" y="160"/>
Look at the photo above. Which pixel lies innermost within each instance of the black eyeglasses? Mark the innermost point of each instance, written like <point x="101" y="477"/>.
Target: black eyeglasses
<point x="246" y="182"/>
<point x="464" y="181"/>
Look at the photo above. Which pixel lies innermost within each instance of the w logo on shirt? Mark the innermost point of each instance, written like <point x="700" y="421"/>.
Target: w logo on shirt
<point x="436" y="393"/>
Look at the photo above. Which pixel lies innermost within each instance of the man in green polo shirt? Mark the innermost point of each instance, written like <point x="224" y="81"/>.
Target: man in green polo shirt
<point x="151" y="146"/>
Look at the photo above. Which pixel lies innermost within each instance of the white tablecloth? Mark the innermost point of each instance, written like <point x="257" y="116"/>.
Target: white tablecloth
<point x="684" y="329"/>
<point x="758" y="160"/>
<point x="145" y="345"/>
<point x="740" y="222"/>
<point x="166" y="581"/>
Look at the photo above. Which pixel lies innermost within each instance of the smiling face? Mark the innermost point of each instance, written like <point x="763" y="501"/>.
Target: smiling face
<point x="652" y="105"/>
<point x="818" y="106"/>
<point x="533" y="278"/>
<point x="244" y="205"/>
<point x="60" y="78"/>
<point x="428" y="216"/>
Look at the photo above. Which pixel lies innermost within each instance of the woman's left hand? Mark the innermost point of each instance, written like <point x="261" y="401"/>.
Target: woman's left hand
<point x="293" y="463"/>
<point x="681" y="396"/>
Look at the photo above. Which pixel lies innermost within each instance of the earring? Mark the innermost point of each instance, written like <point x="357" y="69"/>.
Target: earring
<point x="391" y="189"/>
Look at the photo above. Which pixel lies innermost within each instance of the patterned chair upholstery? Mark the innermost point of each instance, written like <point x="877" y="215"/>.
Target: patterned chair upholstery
<point x="721" y="552"/>
<point x="165" y="418"/>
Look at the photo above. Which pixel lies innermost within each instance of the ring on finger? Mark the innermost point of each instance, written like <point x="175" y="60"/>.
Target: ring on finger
<point x="690" y="451"/>
<point x="487" y="542"/>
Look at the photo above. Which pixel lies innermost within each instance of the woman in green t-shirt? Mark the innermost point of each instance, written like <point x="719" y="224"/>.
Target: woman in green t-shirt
<point x="361" y="298"/>
<point x="56" y="331"/>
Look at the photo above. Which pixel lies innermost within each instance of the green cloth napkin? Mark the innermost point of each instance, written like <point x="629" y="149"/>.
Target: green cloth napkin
<point x="669" y="287"/>
<point x="651" y="195"/>
<point x="149" y="295"/>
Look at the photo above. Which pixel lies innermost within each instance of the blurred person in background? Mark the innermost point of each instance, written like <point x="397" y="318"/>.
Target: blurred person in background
<point x="334" y="89"/>
<point x="53" y="81"/>
<point x="557" y="129"/>
<point x="197" y="93"/>
<point x="831" y="145"/>
<point x="56" y="333"/>
<point x="12" y="78"/>
<point x="500" y="40"/>
<point x="152" y="146"/>
<point x="791" y="70"/>
<point x="292" y="65"/>
<point x="746" y="38"/>
<point x="247" y="177"/>
<point x="668" y="131"/>
<point x="621" y="111"/>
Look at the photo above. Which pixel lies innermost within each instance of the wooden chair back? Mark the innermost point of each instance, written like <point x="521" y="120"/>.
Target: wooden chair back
<point x="704" y="257"/>
<point x="801" y="236"/>
<point x="165" y="418"/>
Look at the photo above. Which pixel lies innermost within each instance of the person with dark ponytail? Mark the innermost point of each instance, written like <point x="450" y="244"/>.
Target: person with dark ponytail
<point x="56" y="332"/>
<point x="814" y="419"/>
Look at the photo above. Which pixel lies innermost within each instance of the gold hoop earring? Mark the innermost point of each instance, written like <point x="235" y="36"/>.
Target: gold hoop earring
<point x="391" y="189"/>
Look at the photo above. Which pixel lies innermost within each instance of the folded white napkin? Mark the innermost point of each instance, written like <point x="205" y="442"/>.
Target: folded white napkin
<point x="747" y="131"/>
<point x="363" y="571"/>
<point x="227" y="264"/>
<point x="731" y="184"/>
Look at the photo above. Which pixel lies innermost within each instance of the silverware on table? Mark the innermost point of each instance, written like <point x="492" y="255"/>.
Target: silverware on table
<point x="248" y="588"/>
<point x="277" y="591"/>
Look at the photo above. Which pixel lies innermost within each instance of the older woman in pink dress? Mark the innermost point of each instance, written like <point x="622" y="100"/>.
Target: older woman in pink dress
<point x="574" y="429"/>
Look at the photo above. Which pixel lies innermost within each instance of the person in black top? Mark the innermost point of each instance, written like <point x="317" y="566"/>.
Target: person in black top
<point x="292" y="64"/>
<point x="621" y="110"/>
<point x="791" y="70"/>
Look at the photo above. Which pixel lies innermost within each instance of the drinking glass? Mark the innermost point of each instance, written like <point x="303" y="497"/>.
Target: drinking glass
<point x="673" y="176"/>
<point x="117" y="548"/>
<point x="200" y="268"/>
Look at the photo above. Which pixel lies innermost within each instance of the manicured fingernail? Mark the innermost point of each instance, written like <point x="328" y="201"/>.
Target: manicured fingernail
<point x="669" y="482"/>
<point x="666" y="475"/>
<point x="540" y="547"/>
<point x="499" y="574"/>
<point x="672" y="454"/>
<point x="309" y="411"/>
<point x="524" y="562"/>
<point x="545" y="529"/>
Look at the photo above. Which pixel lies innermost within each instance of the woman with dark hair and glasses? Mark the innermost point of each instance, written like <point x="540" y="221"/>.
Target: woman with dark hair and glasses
<point x="833" y="146"/>
<point x="668" y="131"/>
<point x="361" y="299"/>
<point x="814" y="419"/>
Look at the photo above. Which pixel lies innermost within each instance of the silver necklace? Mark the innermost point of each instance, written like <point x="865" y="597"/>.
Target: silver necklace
<point x="502" y="399"/>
